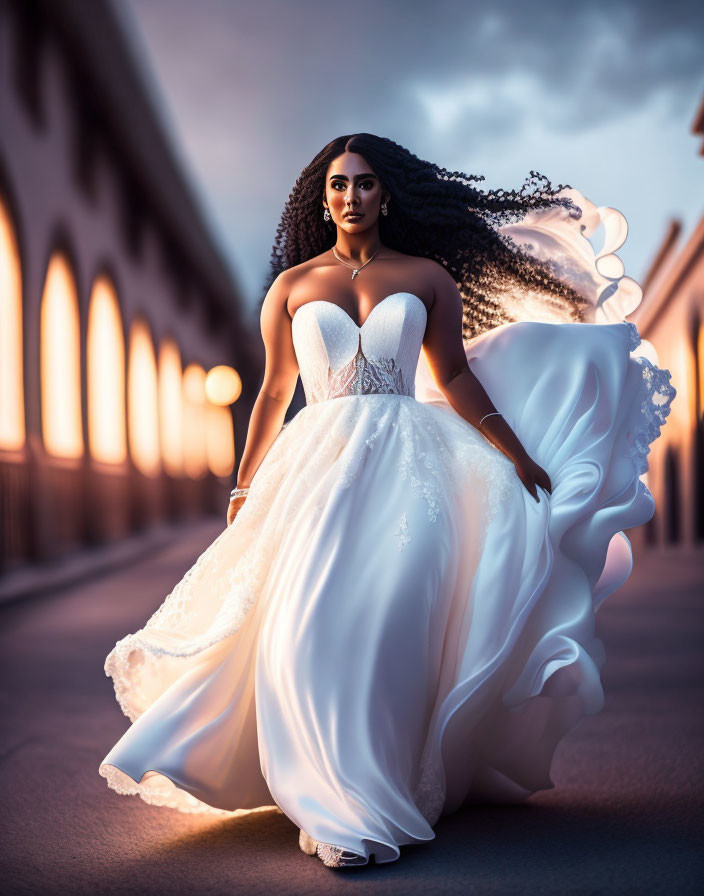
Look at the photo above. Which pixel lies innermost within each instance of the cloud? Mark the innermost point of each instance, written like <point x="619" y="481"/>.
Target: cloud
<point x="256" y="89"/>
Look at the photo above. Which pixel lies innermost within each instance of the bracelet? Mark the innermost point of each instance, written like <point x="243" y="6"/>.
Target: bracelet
<point x="238" y="492"/>
<point x="489" y="415"/>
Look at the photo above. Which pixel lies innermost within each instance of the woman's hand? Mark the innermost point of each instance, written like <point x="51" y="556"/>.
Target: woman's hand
<point x="532" y="475"/>
<point x="233" y="509"/>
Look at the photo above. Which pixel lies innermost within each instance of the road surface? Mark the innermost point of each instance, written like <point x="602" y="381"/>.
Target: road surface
<point x="625" y="815"/>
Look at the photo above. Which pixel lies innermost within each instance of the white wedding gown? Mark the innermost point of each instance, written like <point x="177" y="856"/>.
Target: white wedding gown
<point x="392" y="625"/>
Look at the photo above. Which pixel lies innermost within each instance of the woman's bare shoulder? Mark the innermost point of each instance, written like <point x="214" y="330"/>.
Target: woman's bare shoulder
<point x="291" y="279"/>
<point x="293" y="274"/>
<point x="287" y="278"/>
<point x="431" y="265"/>
<point x="437" y="273"/>
<point x="422" y="265"/>
<point x="429" y="275"/>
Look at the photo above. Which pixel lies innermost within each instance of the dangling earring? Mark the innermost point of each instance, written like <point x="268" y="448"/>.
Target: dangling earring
<point x="326" y="215"/>
<point x="384" y="209"/>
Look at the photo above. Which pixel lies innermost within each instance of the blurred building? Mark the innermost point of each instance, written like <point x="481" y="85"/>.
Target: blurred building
<point x="115" y="300"/>
<point x="671" y="316"/>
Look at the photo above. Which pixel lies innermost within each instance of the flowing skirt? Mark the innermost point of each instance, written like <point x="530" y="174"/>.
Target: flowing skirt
<point x="393" y="626"/>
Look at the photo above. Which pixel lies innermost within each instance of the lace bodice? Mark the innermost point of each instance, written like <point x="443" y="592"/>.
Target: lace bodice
<point x="336" y="357"/>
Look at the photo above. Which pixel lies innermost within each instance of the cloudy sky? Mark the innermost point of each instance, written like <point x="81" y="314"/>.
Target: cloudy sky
<point x="599" y="95"/>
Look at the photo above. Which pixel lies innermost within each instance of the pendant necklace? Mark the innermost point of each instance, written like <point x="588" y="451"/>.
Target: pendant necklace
<point x="355" y="270"/>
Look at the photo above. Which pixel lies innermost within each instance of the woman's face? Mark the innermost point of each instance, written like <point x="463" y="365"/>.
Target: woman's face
<point x="352" y="186"/>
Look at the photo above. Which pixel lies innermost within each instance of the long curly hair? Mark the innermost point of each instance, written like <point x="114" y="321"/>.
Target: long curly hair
<point x="439" y="214"/>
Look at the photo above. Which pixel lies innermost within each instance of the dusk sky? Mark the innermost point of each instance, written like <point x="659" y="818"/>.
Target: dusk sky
<point x="600" y="96"/>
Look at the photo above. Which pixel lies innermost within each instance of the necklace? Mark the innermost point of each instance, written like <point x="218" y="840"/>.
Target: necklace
<point x="355" y="270"/>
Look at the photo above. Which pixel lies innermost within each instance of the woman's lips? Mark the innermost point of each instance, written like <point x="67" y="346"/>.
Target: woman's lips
<point x="354" y="217"/>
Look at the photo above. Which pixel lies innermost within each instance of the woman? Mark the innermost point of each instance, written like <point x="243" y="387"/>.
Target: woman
<point x="399" y="617"/>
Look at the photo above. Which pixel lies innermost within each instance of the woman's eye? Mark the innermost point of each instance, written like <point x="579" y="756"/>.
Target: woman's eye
<point x="365" y="183"/>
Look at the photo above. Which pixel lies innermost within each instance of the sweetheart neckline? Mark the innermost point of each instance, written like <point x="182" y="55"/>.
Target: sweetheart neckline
<point x="360" y="327"/>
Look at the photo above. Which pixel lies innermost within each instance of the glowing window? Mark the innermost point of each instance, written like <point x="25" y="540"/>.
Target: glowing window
<point x="105" y="357"/>
<point x="220" y="440"/>
<point x="700" y="371"/>
<point x="195" y="454"/>
<point x="60" y="362"/>
<point x="142" y="400"/>
<point x="171" y="407"/>
<point x="12" y="425"/>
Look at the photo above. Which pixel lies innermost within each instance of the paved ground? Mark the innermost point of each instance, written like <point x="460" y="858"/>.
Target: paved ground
<point x="625" y="815"/>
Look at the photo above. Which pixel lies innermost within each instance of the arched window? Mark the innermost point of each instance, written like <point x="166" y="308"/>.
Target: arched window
<point x="105" y="357"/>
<point x="142" y="400"/>
<point x="171" y="407"/>
<point x="12" y="423"/>
<point x="673" y="504"/>
<point x="699" y="356"/>
<point x="699" y="433"/>
<point x="223" y="387"/>
<point x="195" y="455"/>
<point x="220" y="437"/>
<point x="60" y="361"/>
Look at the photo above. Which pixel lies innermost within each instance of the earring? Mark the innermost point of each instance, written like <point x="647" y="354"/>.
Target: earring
<point x="384" y="210"/>
<point x="326" y="215"/>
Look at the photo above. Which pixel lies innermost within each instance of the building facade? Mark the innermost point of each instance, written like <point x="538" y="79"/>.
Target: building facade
<point x="115" y="300"/>
<point x="671" y="317"/>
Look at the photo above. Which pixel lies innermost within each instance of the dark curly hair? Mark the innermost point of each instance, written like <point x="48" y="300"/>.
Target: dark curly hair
<point x="439" y="214"/>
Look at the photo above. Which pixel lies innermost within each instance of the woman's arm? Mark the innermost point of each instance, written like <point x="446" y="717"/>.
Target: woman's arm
<point x="278" y="385"/>
<point x="448" y="363"/>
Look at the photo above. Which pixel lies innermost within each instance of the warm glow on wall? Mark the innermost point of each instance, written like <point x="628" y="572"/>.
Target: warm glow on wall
<point x="105" y="360"/>
<point x="142" y="400"/>
<point x="171" y="407"/>
<point x="700" y="372"/>
<point x="220" y="440"/>
<point x="195" y="455"/>
<point x="60" y="362"/>
<point x="223" y="385"/>
<point x="684" y="379"/>
<point x="12" y="431"/>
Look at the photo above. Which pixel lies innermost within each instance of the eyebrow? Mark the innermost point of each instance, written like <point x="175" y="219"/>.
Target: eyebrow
<point x="357" y="176"/>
